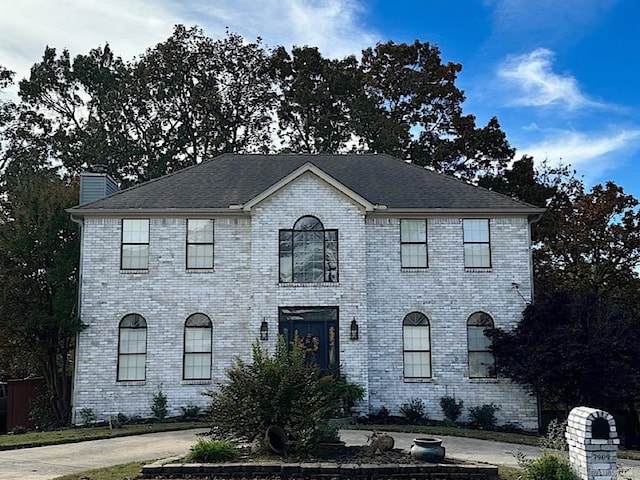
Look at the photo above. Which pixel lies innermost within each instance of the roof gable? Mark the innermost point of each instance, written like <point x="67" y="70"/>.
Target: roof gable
<point x="299" y="172"/>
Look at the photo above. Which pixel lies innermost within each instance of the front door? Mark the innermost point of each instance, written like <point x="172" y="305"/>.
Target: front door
<point x="317" y="331"/>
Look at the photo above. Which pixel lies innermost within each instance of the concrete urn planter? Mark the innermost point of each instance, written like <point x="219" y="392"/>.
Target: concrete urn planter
<point x="428" y="449"/>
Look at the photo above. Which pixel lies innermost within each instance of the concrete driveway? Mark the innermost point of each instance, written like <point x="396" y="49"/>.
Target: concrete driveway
<point x="42" y="463"/>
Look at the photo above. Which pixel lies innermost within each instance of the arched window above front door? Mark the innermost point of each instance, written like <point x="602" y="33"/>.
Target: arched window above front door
<point x="308" y="252"/>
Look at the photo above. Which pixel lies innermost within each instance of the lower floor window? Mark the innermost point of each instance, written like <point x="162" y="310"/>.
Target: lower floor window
<point x="417" y="346"/>
<point x="481" y="360"/>
<point x="197" y="348"/>
<point x="132" y="348"/>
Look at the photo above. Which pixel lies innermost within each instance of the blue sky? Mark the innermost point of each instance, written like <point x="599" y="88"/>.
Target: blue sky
<point x="562" y="77"/>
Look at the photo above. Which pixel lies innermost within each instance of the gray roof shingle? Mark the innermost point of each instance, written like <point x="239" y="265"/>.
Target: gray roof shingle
<point x="233" y="179"/>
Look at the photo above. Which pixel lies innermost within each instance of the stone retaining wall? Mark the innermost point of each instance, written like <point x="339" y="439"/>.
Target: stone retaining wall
<point x="313" y="471"/>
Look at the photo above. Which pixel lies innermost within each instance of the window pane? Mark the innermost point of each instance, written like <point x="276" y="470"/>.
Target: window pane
<point x="200" y="231"/>
<point x="331" y="256"/>
<point x="133" y="321"/>
<point x="200" y="256"/>
<point x="133" y="340"/>
<point x="308" y="256"/>
<point x="476" y="230"/>
<point x="308" y="223"/>
<point x="197" y="339"/>
<point x="477" y="339"/>
<point x="286" y="264"/>
<point x="131" y="367"/>
<point x="135" y="257"/>
<point x="197" y="366"/>
<point x="480" y="364"/>
<point x="417" y="364"/>
<point x="135" y="231"/>
<point x="477" y="255"/>
<point x="413" y="230"/>
<point x="414" y="255"/>
<point x="198" y="320"/>
<point x="416" y="338"/>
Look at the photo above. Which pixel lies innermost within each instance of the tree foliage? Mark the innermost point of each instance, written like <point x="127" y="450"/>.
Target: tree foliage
<point x="38" y="268"/>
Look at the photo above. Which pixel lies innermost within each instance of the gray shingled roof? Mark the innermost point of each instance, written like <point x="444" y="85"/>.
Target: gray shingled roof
<point x="236" y="179"/>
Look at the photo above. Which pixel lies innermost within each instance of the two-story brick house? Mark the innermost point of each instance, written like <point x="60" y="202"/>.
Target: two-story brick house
<point x="389" y="271"/>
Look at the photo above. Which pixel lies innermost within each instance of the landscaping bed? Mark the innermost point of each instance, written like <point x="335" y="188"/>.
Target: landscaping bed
<point x="356" y="462"/>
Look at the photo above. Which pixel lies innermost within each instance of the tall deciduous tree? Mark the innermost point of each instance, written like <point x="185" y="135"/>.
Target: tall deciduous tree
<point x="317" y="97"/>
<point x="413" y="110"/>
<point x="38" y="267"/>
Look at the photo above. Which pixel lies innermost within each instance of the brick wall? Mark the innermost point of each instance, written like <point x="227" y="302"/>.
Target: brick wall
<point x="243" y="289"/>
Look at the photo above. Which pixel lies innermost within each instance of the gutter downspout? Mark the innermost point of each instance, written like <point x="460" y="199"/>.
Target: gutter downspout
<point x="80" y="223"/>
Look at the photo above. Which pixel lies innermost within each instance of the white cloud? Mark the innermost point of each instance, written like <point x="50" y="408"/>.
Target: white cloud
<point x="537" y="85"/>
<point x="28" y="26"/>
<point x="331" y="25"/>
<point x="132" y="26"/>
<point x="591" y="154"/>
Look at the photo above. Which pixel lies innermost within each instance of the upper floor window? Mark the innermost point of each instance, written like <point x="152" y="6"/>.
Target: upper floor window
<point x="417" y="346"/>
<point x="477" y="250"/>
<point x="132" y="347"/>
<point x="481" y="360"/>
<point x="135" y="244"/>
<point x="197" y="348"/>
<point x="199" y="243"/>
<point x="308" y="252"/>
<point x="413" y="243"/>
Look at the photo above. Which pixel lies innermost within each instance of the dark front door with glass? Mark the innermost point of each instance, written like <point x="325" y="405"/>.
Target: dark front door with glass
<point x="316" y="329"/>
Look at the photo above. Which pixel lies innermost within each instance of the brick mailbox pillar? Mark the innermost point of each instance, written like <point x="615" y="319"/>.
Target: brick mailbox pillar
<point x="593" y="444"/>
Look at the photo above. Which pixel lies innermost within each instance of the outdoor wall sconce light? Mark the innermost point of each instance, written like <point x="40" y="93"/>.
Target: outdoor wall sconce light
<point x="264" y="330"/>
<point x="354" y="329"/>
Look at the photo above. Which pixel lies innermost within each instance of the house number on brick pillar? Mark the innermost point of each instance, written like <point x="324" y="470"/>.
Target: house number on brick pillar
<point x="593" y="444"/>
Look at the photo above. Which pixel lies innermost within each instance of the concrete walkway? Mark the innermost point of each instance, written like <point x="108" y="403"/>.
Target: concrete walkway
<point x="42" y="463"/>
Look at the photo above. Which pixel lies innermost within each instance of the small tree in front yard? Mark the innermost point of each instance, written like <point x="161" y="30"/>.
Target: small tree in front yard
<point x="279" y="390"/>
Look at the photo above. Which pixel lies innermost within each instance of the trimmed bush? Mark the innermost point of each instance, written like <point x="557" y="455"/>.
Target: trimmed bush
<point x="484" y="416"/>
<point x="414" y="410"/>
<point x="451" y="408"/>
<point x="212" y="451"/>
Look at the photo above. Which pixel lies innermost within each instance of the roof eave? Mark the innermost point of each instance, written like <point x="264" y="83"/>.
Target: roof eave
<point x="153" y="212"/>
<point x="476" y="212"/>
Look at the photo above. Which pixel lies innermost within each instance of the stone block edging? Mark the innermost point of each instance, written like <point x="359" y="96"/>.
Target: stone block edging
<point x="426" y="471"/>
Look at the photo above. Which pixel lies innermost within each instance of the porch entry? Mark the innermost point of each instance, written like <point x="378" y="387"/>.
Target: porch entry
<point x="317" y="329"/>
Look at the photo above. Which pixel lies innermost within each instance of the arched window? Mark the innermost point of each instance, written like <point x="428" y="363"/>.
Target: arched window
<point x="417" y="346"/>
<point x="197" y="348"/>
<point x="481" y="359"/>
<point x="308" y="253"/>
<point x="132" y="347"/>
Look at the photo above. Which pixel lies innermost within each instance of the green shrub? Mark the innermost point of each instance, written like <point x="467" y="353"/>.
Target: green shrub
<point x="281" y="390"/>
<point x="211" y="451"/>
<point x="484" y="416"/>
<point x="451" y="408"/>
<point x="349" y="394"/>
<point x="414" y="410"/>
<point x="554" y="438"/>
<point x="87" y="416"/>
<point x="547" y="466"/>
<point x="159" y="405"/>
<point x="190" y="412"/>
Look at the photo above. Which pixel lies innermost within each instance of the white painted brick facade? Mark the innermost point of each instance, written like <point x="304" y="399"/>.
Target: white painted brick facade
<point x="243" y="289"/>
